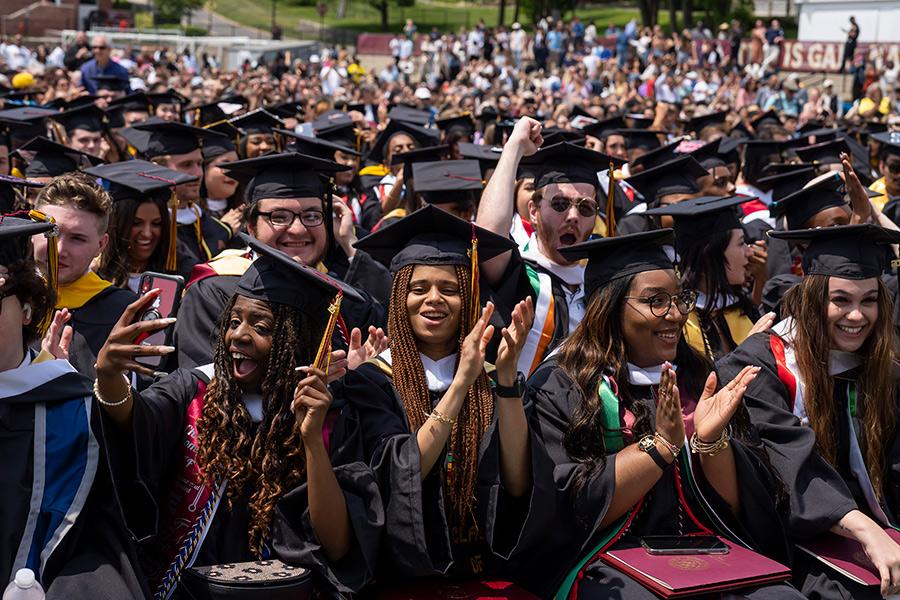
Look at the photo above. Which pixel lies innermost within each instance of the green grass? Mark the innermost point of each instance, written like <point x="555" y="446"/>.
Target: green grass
<point x="361" y="17"/>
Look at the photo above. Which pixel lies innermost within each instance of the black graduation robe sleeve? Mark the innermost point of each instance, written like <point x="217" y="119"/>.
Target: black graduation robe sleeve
<point x="99" y="315"/>
<point x="370" y="212"/>
<point x="818" y="496"/>
<point x="367" y="274"/>
<point x="195" y="330"/>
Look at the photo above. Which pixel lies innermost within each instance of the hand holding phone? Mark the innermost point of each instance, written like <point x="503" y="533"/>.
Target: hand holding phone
<point x="164" y="306"/>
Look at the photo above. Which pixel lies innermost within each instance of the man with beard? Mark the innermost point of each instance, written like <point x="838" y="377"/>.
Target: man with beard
<point x="564" y="210"/>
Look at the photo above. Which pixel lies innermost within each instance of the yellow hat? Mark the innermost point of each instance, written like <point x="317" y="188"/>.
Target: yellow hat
<point x="21" y="81"/>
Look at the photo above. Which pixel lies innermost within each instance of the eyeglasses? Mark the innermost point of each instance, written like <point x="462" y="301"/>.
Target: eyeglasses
<point x="586" y="207"/>
<point x="661" y="302"/>
<point x="284" y="218"/>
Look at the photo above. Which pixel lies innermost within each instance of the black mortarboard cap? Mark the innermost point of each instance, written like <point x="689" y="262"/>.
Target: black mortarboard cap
<point x="344" y="134"/>
<point x="46" y="158"/>
<point x="8" y="185"/>
<point x="138" y="179"/>
<point x="89" y="118"/>
<point x="889" y="140"/>
<point x="419" y="155"/>
<point x="431" y="236"/>
<point x="167" y="97"/>
<point x="487" y="156"/>
<point x="330" y="119"/>
<point x="845" y="251"/>
<point x="696" y="124"/>
<point x="283" y="175"/>
<point x="110" y="82"/>
<point x="462" y="124"/>
<point x="639" y="122"/>
<point x="825" y="153"/>
<point x="440" y="182"/>
<point x="115" y="117"/>
<point x="580" y="111"/>
<point x="286" y="110"/>
<point x="804" y="204"/>
<point x="422" y="136"/>
<point x="768" y="117"/>
<point x="823" y="134"/>
<point x="555" y="135"/>
<point x="313" y="146"/>
<point x="7" y="129"/>
<point x="620" y="256"/>
<point x="728" y="149"/>
<point x="276" y="278"/>
<point x="658" y="156"/>
<point x="697" y="218"/>
<point x="810" y="125"/>
<point x="409" y="115"/>
<point x="219" y="145"/>
<point x="678" y="176"/>
<point x="63" y="104"/>
<point x="136" y="102"/>
<point x="785" y="184"/>
<point x="568" y="163"/>
<point x="641" y="138"/>
<point x="708" y="155"/>
<point x="35" y="118"/>
<point x="156" y="137"/>
<point x="15" y="233"/>
<point x="784" y="168"/>
<point x="258" y="121"/>
<point x="602" y="129"/>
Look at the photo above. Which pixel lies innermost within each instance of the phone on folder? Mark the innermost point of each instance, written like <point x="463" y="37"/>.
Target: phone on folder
<point x="683" y="544"/>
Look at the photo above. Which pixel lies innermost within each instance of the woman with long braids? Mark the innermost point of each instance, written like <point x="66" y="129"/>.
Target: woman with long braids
<point x="614" y="417"/>
<point x="712" y="258"/>
<point x="249" y="457"/>
<point x="450" y="448"/>
<point x="825" y="404"/>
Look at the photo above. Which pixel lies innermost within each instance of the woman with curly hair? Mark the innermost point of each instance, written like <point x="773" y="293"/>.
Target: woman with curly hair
<point x="249" y="457"/>
<point x="825" y="403"/>
<point x="614" y="418"/>
<point x="451" y="448"/>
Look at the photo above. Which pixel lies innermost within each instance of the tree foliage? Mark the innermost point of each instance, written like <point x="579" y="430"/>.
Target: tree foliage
<point x="176" y="9"/>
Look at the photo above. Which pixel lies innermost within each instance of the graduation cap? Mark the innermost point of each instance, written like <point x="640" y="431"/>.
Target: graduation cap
<point x="757" y="154"/>
<point x="258" y="121"/>
<point x="811" y="125"/>
<point x="46" y="158"/>
<point x="568" y="163"/>
<point x="345" y="134"/>
<point x="137" y="179"/>
<point x="658" y="156"/>
<point x="114" y="117"/>
<point x="62" y="104"/>
<point x="15" y="234"/>
<point x="823" y="134"/>
<point x="784" y="184"/>
<point x="603" y="129"/>
<point x="213" y="112"/>
<point x="741" y="130"/>
<point x="640" y="138"/>
<point x="431" y="236"/>
<point x="802" y="205"/>
<point x="168" y="97"/>
<point x="33" y="116"/>
<point x="409" y="115"/>
<point x="330" y="119"/>
<point x="872" y="127"/>
<point x="89" y="118"/>
<point x="487" y="156"/>
<point x="355" y="106"/>
<point x="845" y="251"/>
<point x="8" y="198"/>
<point x="110" y="82"/>
<point x="286" y="110"/>
<point x="708" y="155"/>
<point x="314" y="146"/>
<point x="769" y="117"/>
<point x="783" y="168"/>
<point x="678" y="176"/>
<point x="446" y="181"/>
<point x="580" y="111"/>
<point x="697" y="218"/>
<point x="462" y="124"/>
<point x="612" y="258"/>
<point x="639" y="122"/>
<point x="698" y="123"/>
<point x="7" y="129"/>
<point x="284" y="175"/>
<point x="889" y="140"/>
<point x="555" y="135"/>
<point x="825" y="153"/>
<point x="217" y="146"/>
<point x="428" y="154"/>
<point x="157" y="137"/>
<point x="422" y="136"/>
<point x="136" y="102"/>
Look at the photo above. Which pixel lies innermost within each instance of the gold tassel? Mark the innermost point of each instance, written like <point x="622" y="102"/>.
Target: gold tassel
<point x="172" y="255"/>
<point x="323" y="354"/>
<point x="59" y="133"/>
<point x="52" y="246"/>
<point x="475" y="289"/>
<point x="610" y="203"/>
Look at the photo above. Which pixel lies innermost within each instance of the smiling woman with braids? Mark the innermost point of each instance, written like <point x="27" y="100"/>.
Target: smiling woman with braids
<point x="614" y="418"/>
<point x="239" y="453"/>
<point x="450" y="449"/>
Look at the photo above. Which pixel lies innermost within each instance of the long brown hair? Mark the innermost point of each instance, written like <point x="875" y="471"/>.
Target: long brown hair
<point x="271" y="461"/>
<point x="807" y="303"/>
<point x="409" y="379"/>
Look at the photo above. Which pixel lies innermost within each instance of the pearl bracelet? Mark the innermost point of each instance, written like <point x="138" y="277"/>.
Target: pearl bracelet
<point x="120" y="402"/>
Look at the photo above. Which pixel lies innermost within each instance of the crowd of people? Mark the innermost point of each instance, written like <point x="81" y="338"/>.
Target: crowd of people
<point x="490" y="325"/>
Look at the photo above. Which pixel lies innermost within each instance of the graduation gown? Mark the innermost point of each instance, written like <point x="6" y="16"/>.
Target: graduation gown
<point x="96" y="305"/>
<point x="728" y="328"/>
<point x="193" y="251"/>
<point x="819" y="494"/>
<point x="158" y="428"/>
<point x="575" y="530"/>
<point x="64" y="521"/>
<point x="418" y="541"/>
<point x="214" y="284"/>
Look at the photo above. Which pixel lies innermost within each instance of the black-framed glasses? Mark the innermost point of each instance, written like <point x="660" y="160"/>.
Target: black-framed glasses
<point x="282" y="217"/>
<point x="660" y="303"/>
<point x="586" y="207"/>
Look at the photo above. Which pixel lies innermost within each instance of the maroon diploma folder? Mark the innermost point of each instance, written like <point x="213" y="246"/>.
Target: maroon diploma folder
<point x="685" y="575"/>
<point x="847" y="557"/>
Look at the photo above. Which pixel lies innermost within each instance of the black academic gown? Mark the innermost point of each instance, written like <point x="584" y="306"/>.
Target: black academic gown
<point x="636" y="223"/>
<point x="96" y="318"/>
<point x="204" y="301"/>
<point x="216" y="236"/>
<point x="575" y="530"/>
<point x="158" y="427"/>
<point x="96" y="558"/>
<point x="418" y="542"/>
<point x="819" y="494"/>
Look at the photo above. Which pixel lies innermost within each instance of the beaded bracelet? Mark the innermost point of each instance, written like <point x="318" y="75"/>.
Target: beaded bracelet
<point x="700" y="447"/>
<point x="440" y="417"/>
<point x="672" y="448"/>
<point x="120" y="402"/>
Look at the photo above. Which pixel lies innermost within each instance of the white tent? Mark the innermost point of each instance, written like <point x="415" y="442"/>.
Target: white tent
<point x="829" y="20"/>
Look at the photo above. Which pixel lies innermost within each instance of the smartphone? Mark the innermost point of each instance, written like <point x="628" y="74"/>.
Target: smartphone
<point x="683" y="544"/>
<point x="166" y="305"/>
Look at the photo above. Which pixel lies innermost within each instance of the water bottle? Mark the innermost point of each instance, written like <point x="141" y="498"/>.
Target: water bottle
<point x="24" y="587"/>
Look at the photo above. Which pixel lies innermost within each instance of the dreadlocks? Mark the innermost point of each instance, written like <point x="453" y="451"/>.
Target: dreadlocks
<point x="272" y="461"/>
<point x="409" y="379"/>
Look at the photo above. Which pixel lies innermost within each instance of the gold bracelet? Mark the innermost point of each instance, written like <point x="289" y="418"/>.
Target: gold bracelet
<point x="669" y="445"/>
<point x="700" y="447"/>
<point x="440" y="417"/>
<point x="120" y="402"/>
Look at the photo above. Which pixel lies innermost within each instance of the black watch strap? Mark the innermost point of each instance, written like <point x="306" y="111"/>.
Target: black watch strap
<point x="654" y="453"/>
<point x="516" y="390"/>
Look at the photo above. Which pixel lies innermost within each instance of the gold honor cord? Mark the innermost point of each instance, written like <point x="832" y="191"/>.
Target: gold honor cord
<point x="476" y="292"/>
<point x="610" y="203"/>
<point x="323" y="354"/>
